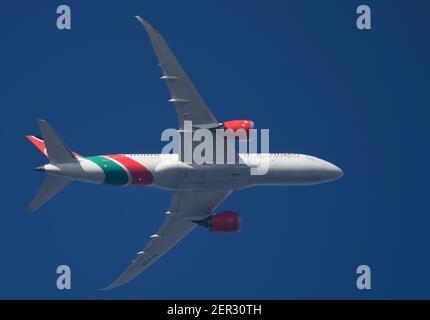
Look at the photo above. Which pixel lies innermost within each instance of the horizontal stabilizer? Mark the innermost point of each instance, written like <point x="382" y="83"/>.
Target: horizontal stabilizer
<point x="50" y="187"/>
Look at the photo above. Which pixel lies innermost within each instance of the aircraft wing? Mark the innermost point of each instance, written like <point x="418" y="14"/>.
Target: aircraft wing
<point x="187" y="100"/>
<point x="185" y="207"/>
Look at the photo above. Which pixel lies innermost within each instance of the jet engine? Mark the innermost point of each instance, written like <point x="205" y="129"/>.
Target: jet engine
<point x="236" y="125"/>
<point x="227" y="221"/>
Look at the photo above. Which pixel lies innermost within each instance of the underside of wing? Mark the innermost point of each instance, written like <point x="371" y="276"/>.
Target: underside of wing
<point x="187" y="100"/>
<point x="185" y="207"/>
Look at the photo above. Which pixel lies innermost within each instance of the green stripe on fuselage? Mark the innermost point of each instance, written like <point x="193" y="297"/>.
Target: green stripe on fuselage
<point x="114" y="173"/>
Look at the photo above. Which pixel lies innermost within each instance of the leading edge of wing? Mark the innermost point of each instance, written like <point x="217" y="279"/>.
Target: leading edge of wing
<point x="186" y="98"/>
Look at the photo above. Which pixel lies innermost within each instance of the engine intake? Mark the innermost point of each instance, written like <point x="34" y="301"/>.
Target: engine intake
<point x="227" y="221"/>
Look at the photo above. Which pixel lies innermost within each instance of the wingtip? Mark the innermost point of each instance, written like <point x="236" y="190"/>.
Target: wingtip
<point x="119" y="282"/>
<point x="141" y="20"/>
<point x="29" y="210"/>
<point x="145" y="23"/>
<point x="110" y="287"/>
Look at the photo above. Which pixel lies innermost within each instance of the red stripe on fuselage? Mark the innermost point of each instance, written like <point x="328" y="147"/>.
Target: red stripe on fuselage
<point x="140" y="175"/>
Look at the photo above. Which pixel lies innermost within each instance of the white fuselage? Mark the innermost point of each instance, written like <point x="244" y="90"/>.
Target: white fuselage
<point x="167" y="172"/>
<point x="282" y="169"/>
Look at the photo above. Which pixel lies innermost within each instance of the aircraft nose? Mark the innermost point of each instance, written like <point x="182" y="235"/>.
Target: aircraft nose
<point x="331" y="171"/>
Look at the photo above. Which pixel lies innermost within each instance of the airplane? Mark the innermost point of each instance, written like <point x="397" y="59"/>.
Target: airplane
<point x="197" y="189"/>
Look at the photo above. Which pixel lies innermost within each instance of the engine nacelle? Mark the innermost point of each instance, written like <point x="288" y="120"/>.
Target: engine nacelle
<point x="236" y="125"/>
<point x="228" y="221"/>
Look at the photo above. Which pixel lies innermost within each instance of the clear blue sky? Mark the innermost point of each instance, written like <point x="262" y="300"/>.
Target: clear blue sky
<point x="359" y="99"/>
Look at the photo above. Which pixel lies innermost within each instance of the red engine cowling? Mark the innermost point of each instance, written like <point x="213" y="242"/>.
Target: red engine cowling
<point x="236" y="125"/>
<point x="228" y="221"/>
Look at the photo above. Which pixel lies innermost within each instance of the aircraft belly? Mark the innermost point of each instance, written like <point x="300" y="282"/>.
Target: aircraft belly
<point x="181" y="176"/>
